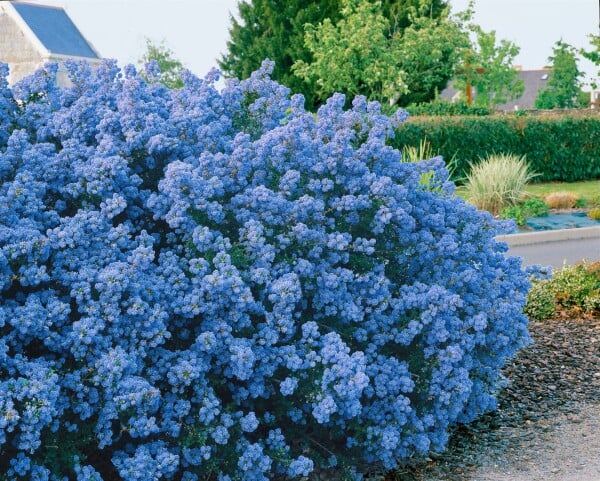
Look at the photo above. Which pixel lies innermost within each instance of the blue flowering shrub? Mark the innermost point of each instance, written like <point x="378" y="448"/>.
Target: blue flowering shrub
<point x="216" y="284"/>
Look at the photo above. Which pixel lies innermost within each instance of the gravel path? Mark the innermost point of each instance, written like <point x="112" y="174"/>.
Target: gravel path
<point x="547" y="426"/>
<point x="564" y="449"/>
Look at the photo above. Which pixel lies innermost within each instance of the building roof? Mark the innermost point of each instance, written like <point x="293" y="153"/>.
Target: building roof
<point x="534" y="81"/>
<point x="54" y="29"/>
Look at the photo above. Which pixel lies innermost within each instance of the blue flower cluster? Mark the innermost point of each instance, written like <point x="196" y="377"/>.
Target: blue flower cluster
<point x="217" y="284"/>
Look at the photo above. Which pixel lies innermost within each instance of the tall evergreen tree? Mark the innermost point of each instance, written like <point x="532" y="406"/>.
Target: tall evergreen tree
<point x="274" y="29"/>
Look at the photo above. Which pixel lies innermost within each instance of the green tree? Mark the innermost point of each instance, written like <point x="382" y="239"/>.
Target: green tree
<point x="428" y="53"/>
<point x="363" y="60"/>
<point x="593" y="55"/>
<point x="400" y="13"/>
<point x="564" y="85"/>
<point x="275" y="29"/>
<point x="488" y="67"/>
<point x="170" y="67"/>
<point x="407" y="67"/>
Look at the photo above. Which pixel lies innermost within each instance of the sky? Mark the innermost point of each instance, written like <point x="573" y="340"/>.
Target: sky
<point x="197" y="30"/>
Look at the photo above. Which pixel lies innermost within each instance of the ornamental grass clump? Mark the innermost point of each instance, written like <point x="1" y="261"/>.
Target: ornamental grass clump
<point x="423" y="151"/>
<point x="217" y="284"/>
<point x="562" y="200"/>
<point x="497" y="181"/>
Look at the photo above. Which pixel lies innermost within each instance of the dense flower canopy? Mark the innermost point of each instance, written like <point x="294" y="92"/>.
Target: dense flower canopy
<point x="216" y="284"/>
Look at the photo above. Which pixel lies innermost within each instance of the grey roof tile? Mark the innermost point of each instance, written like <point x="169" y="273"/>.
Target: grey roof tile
<point x="534" y="80"/>
<point x="55" y="30"/>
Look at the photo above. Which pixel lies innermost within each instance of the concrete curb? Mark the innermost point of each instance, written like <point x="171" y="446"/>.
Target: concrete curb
<point x="530" y="238"/>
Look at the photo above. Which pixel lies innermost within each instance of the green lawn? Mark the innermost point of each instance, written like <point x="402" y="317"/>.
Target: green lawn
<point x="589" y="191"/>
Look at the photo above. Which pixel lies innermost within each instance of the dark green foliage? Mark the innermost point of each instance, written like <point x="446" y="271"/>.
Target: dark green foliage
<point x="68" y="448"/>
<point x="398" y="12"/>
<point x="429" y="53"/>
<point x="559" y="148"/>
<point x="274" y="29"/>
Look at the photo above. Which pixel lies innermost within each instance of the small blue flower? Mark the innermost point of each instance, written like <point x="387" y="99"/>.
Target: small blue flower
<point x="214" y="282"/>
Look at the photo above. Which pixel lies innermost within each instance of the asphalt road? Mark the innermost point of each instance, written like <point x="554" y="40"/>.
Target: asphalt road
<point x="558" y="253"/>
<point x="556" y="248"/>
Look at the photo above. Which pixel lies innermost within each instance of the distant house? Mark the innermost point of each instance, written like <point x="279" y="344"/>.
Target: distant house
<point x="534" y="80"/>
<point x="33" y="34"/>
<point x="595" y="99"/>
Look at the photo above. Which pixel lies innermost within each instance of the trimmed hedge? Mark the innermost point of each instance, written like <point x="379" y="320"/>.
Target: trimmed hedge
<point x="445" y="107"/>
<point x="559" y="148"/>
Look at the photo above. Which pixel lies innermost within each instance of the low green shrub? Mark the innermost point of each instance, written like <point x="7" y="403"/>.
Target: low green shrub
<point x="571" y="288"/>
<point x="594" y="213"/>
<point x="541" y="303"/>
<point x="561" y="147"/>
<point x="534" y="207"/>
<point x="514" y="212"/>
<point x="520" y="212"/>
